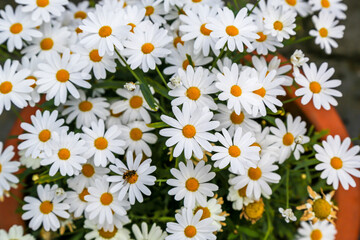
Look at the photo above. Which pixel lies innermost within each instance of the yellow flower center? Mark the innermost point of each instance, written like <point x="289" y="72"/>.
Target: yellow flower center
<point x="196" y="1"/>
<point x="85" y="106"/>
<point x="147" y="48"/>
<point x="82" y="195"/>
<point x="132" y="27"/>
<point x="192" y="184"/>
<point x="16" y="28"/>
<point x="232" y="31"/>
<point x="32" y="78"/>
<point x="46" y="44"/>
<point x="149" y="10"/>
<point x="323" y="32"/>
<point x="101" y="143"/>
<point x="336" y="163"/>
<point x="44" y="135"/>
<point x="262" y="37"/>
<point x="315" y="87"/>
<point x="254" y="210"/>
<point x="255" y="144"/>
<point x="288" y="139"/>
<point x="136" y="134"/>
<point x="204" y="30"/>
<point x="6" y="87"/>
<point x="278" y="25"/>
<point x="237" y="119"/>
<point x="206" y="212"/>
<point x="88" y="170"/>
<point x="178" y="40"/>
<point x="261" y="92"/>
<point x="64" y="154"/>
<point x="242" y="191"/>
<point x="0" y="168"/>
<point x="106" y="198"/>
<point x="236" y="91"/>
<point x="193" y="93"/>
<point x="189" y="131"/>
<point x="254" y="173"/>
<point x="234" y="151"/>
<point x="316" y="234"/>
<point x="116" y="115"/>
<point x="46" y="207"/>
<point x="62" y="76"/>
<point x="80" y="15"/>
<point x="325" y="3"/>
<point x="136" y="102"/>
<point x="107" y="234"/>
<point x="78" y="30"/>
<point x="105" y="31"/>
<point x="190" y="231"/>
<point x="94" y="56"/>
<point x="131" y="176"/>
<point x="291" y="2"/>
<point x="321" y="208"/>
<point x="186" y="63"/>
<point x="42" y="3"/>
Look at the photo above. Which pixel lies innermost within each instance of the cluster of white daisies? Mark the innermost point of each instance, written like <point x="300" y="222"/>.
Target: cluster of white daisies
<point x="103" y="147"/>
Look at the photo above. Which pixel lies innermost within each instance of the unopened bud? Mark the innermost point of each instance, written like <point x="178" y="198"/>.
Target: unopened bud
<point x="130" y="86"/>
<point x="299" y="139"/>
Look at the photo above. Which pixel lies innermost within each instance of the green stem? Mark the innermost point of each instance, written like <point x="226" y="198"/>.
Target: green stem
<point x="291" y="100"/>
<point x="161" y="76"/>
<point x="128" y="67"/>
<point x="17" y="114"/>
<point x="217" y="58"/>
<point x="287" y="186"/>
<point x="255" y="5"/>
<point x="269" y="226"/>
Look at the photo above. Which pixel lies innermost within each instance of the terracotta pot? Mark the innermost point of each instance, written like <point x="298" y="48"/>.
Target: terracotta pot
<point x="347" y="224"/>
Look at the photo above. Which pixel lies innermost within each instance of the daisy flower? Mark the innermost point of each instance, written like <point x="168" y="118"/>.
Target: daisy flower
<point x="146" y="46"/>
<point x="29" y="162"/>
<point x="253" y="211"/>
<point x="15" y="232"/>
<point x="78" y="12"/>
<point x="284" y="137"/>
<point x="32" y="65"/>
<point x="132" y="178"/>
<point x="196" y="86"/>
<point x="155" y="233"/>
<point x="298" y="58"/>
<point x="316" y="85"/>
<point x="179" y="58"/>
<point x="190" y="226"/>
<point x="86" y="110"/>
<point x="265" y="42"/>
<point x="319" y="230"/>
<point x="96" y="63"/>
<point x="16" y="27"/>
<point x="103" y="30"/>
<point x="67" y="154"/>
<point x="260" y="63"/>
<point x="137" y="137"/>
<point x="60" y="75"/>
<point x="338" y="161"/>
<point x="102" y="144"/>
<point x="235" y="31"/>
<point x="194" y="27"/>
<point x="89" y="173"/>
<point x="101" y="234"/>
<point x="154" y="10"/>
<point x="134" y="16"/>
<point x="238" y="151"/>
<point x="237" y="196"/>
<point x="268" y="92"/>
<point x="280" y="23"/>
<point x="189" y="131"/>
<point x="43" y="9"/>
<point x="45" y="209"/>
<point x="319" y="207"/>
<point x="257" y="179"/>
<point x="77" y="202"/>
<point x="327" y="29"/>
<point x="102" y="204"/>
<point x="40" y="133"/>
<point x="266" y="143"/>
<point x="7" y="169"/>
<point x="14" y="88"/>
<point x="231" y="121"/>
<point x="302" y="7"/>
<point x="134" y="107"/>
<point x="335" y="7"/>
<point x="191" y="184"/>
<point x="237" y="88"/>
<point x="54" y="39"/>
<point x="212" y="209"/>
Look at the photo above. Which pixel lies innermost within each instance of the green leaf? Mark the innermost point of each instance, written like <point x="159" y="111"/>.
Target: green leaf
<point x="46" y="178"/>
<point x="109" y="84"/>
<point x="160" y="89"/>
<point x="157" y="125"/>
<point x="249" y="232"/>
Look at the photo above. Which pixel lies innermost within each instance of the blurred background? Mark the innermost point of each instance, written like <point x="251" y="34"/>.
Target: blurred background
<point x="345" y="59"/>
